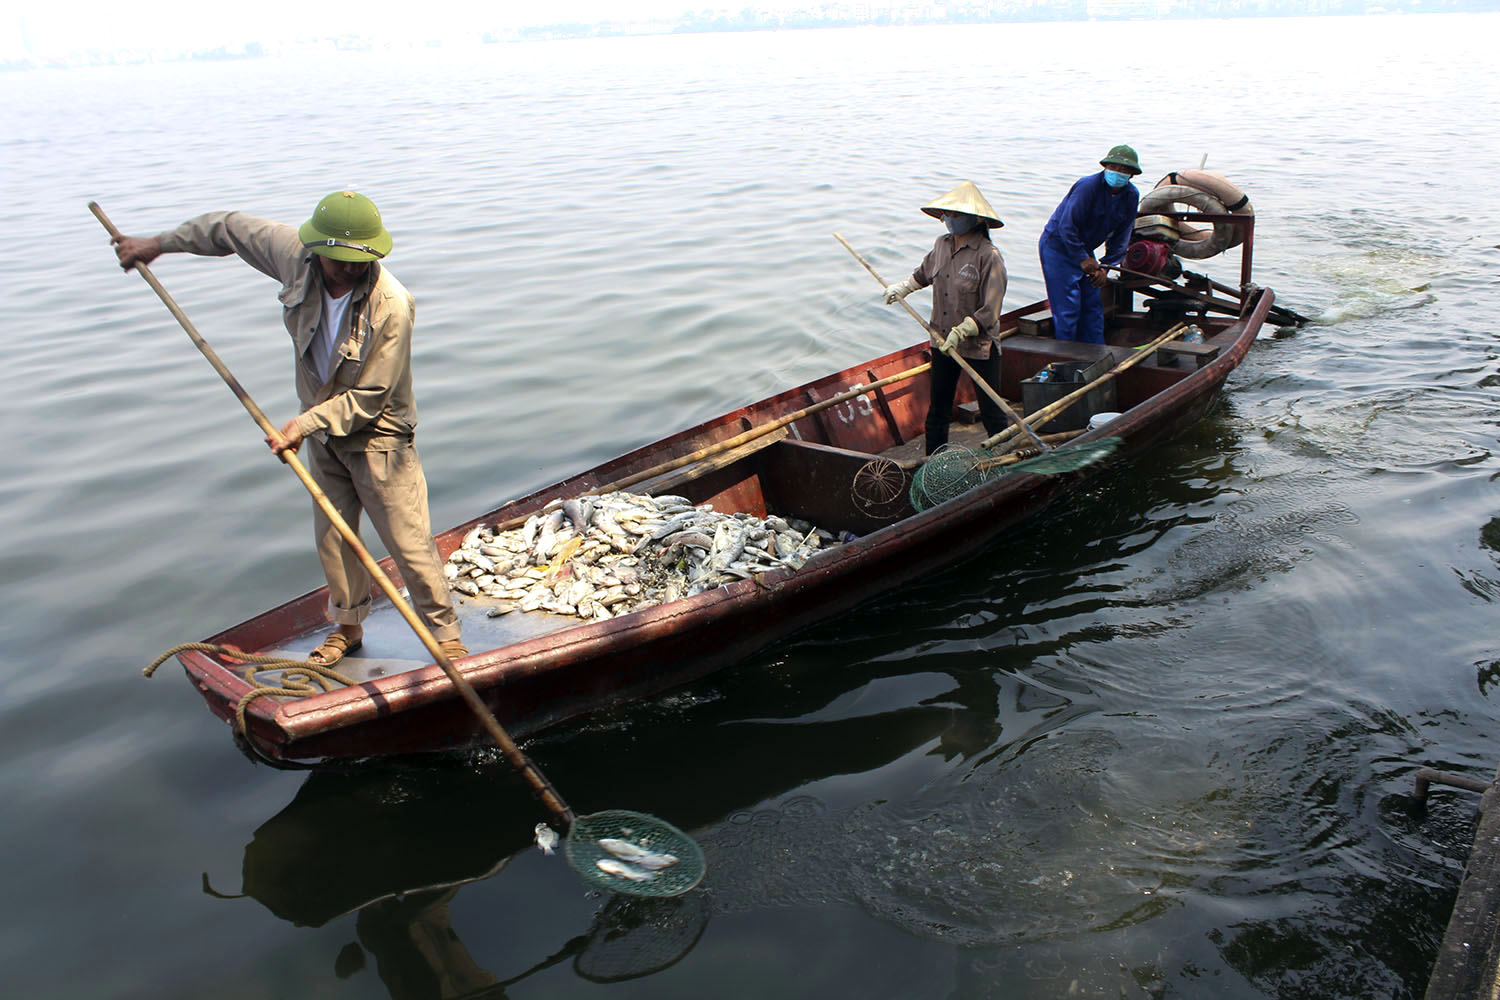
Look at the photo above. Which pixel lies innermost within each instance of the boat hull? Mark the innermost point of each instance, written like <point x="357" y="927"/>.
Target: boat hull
<point x="570" y="672"/>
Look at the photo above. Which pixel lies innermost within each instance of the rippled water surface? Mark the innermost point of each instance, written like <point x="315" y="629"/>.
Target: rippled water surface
<point x="1155" y="743"/>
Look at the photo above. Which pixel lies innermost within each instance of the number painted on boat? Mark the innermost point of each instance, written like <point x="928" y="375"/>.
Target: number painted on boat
<point x="855" y="409"/>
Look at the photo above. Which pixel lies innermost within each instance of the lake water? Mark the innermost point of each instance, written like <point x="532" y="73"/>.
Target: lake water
<point x="1156" y="743"/>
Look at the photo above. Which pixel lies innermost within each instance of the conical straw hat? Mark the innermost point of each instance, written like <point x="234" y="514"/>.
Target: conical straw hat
<point x="964" y="198"/>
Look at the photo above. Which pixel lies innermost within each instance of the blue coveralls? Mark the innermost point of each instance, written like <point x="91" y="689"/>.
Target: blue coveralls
<point x="1091" y="214"/>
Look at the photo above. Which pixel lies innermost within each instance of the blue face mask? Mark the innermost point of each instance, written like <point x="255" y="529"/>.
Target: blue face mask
<point x="1115" y="179"/>
<point x="959" y="223"/>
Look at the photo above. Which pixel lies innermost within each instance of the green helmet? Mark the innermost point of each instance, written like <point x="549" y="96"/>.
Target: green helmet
<point x="1122" y="157"/>
<point x="346" y="226"/>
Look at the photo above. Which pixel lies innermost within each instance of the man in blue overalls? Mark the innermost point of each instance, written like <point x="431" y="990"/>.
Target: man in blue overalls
<point x="1099" y="208"/>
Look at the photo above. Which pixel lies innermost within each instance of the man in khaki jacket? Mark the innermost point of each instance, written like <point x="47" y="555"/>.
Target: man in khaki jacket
<point x="351" y="327"/>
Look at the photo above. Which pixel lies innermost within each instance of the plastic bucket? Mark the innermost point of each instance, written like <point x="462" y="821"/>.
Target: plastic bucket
<point x="1100" y="419"/>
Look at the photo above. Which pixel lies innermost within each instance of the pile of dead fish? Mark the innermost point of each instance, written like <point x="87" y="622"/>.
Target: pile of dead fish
<point x="601" y="556"/>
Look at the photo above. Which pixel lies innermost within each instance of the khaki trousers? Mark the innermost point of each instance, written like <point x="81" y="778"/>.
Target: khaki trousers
<point x="390" y="487"/>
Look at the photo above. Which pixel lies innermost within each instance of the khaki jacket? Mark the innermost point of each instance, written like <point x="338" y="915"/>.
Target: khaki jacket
<point x="367" y="402"/>
<point x="967" y="275"/>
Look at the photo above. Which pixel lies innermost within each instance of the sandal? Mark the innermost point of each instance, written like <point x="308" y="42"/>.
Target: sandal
<point x="453" y="648"/>
<point x="333" y="649"/>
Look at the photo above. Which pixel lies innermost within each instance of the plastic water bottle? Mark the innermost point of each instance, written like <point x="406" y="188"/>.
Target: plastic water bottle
<point x="1194" y="335"/>
<point x="1041" y="376"/>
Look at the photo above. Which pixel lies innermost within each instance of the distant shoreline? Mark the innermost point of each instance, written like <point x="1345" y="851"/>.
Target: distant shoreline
<point x="1011" y="12"/>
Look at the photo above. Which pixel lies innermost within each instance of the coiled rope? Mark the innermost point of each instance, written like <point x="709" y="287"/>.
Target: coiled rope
<point x="299" y="679"/>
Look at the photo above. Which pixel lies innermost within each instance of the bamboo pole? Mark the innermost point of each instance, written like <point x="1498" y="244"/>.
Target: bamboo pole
<point x="937" y="341"/>
<point x="1046" y="413"/>
<point x="549" y="796"/>
<point x="745" y="437"/>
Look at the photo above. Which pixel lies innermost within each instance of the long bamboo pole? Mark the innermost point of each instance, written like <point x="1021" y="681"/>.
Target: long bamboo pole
<point x="1045" y="414"/>
<point x="549" y="796"/>
<point x="745" y="437"/>
<point x="937" y="342"/>
<point x="755" y="432"/>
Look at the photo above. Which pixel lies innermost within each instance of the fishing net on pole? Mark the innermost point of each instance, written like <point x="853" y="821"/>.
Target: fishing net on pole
<point x="631" y="937"/>
<point x="636" y="937"/>
<point x="681" y="868"/>
<point x="952" y="471"/>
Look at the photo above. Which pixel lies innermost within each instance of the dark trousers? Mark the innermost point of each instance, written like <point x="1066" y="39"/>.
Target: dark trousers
<point x="942" y="385"/>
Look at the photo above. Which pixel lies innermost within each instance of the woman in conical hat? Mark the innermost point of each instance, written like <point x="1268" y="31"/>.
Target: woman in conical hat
<point x="967" y="275"/>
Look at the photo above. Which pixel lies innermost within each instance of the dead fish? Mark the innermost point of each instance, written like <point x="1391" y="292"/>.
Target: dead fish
<point x="546" y="838"/>
<point x="697" y="539"/>
<point x="529" y="530"/>
<point x="578" y="511"/>
<point x="637" y="855"/>
<point x="729" y="542"/>
<point x="620" y="869"/>
<point x="673" y="525"/>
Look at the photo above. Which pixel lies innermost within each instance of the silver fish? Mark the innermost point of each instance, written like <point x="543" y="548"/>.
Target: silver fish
<point x="660" y="531"/>
<point x="637" y="855"/>
<point x="729" y="542"/>
<point x="578" y="511"/>
<point x="529" y="530"/>
<point x="620" y="869"/>
<point x="546" y="838"/>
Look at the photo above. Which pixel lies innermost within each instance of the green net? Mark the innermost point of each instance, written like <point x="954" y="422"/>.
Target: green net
<point x="952" y="471"/>
<point x="948" y="472"/>
<point x="633" y="853"/>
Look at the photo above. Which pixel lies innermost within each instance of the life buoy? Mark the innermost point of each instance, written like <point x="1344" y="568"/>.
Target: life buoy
<point x="1207" y="192"/>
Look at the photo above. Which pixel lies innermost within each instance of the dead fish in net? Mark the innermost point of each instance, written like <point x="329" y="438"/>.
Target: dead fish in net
<point x="619" y="869"/>
<point x="546" y="838"/>
<point x="636" y="854"/>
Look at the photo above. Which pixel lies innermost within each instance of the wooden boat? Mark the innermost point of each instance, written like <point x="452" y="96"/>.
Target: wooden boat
<point x="535" y="669"/>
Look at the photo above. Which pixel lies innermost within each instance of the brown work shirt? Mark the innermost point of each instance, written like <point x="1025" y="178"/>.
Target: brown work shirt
<point x="367" y="402"/>
<point x="967" y="275"/>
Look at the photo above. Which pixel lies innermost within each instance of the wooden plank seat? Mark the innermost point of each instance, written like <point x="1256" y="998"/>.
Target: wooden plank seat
<point x="1192" y="356"/>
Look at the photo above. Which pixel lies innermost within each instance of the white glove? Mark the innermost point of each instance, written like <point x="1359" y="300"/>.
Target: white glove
<point x="899" y="290"/>
<point x="963" y="331"/>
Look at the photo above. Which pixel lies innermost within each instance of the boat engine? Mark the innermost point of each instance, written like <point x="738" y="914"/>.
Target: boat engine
<point x="1153" y="257"/>
<point x="1154" y="238"/>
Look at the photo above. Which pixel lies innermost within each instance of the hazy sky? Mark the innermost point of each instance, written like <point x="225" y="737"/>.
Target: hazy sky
<point x="68" y="26"/>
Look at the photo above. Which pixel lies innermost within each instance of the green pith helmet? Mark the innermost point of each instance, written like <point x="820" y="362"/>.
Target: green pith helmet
<point x="967" y="199"/>
<point x="346" y="226"/>
<point x="1124" y="158"/>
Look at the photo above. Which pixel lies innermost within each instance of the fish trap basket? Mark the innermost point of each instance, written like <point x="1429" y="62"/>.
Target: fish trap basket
<point x="656" y="835"/>
<point x="948" y="472"/>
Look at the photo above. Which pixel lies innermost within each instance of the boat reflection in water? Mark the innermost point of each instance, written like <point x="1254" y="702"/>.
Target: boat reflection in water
<point x="304" y="866"/>
<point x="396" y="842"/>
